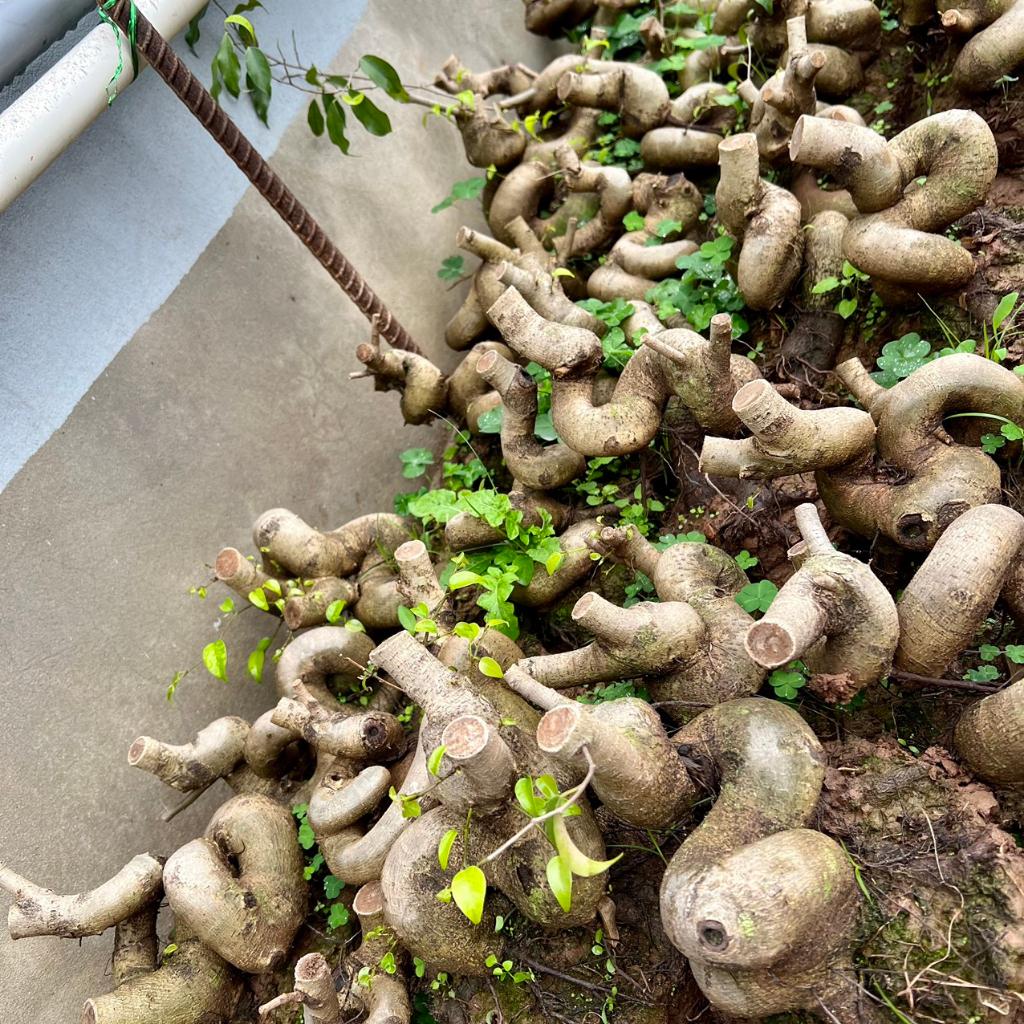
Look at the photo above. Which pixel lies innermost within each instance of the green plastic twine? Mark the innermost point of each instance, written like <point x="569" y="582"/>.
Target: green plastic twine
<point x="133" y="17"/>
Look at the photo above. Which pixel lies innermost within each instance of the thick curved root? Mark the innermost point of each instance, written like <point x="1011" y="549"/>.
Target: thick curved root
<point x="38" y="911"/>
<point x="944" y="605"/>
<point x="765" y="221"/>
<point x="193" y="984"/>
<point x="422" y="384"/>
<point x="991" y="54"/>
<point x="787" y="94"/>
<point x="901" y="242"/>
<point x="531" y="462"/>
<point x="942" y="479"/>
<point x="702" y="374"/>
<point x="990" y="737"/>
<point x="637" y="95"/>
<point x="638" y="775"/>
<point x="214" y="754"/>
<point x="786" y="439"/>
<point x="645" y="639"/>
<point x="360" y="735"/>
<point x="755" y="954"/>
<point x="833" y="613"/>
<point x="319" y="653"/>
<point x="251" y="917"/>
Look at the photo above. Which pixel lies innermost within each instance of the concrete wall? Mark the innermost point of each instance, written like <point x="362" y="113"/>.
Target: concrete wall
<point x="232" y="398"/>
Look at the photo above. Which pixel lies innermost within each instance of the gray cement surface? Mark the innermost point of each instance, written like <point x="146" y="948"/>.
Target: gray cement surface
<point x="231" y="399"/>
<point x="98" y="243"/>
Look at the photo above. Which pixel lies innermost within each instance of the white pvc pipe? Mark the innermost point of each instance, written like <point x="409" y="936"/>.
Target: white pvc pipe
<point x="38" y="126"/>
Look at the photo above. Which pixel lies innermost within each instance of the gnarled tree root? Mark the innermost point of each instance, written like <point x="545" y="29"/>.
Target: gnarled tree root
<point x="765" y="221"/>
<point x="250" y="917"/>
<point x="762" y="907"/>
<point x="944" y="605"/>
<point x="900" y="241"/>
<point x="214" y="754"/>
<point x="708" y="580"/>
<point x="833" y="613"/>
<point x="786" y="439"/>
<point x="38" y="911"/>
<point x="193" y="984"/>
<point x="638" y="775"/>
<point x="942" y="479"/>
<point x="990" y="737"/>
<point x="647" y="639"/>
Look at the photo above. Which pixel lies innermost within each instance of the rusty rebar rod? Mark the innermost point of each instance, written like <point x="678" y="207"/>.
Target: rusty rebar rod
<point x="158" y="53"/>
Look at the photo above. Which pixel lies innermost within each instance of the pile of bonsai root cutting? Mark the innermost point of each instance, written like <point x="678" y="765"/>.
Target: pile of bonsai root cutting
<point x="686" y="687"/>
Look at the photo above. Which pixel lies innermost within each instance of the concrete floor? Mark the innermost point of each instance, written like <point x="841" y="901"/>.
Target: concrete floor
<point x="231" y="399"/>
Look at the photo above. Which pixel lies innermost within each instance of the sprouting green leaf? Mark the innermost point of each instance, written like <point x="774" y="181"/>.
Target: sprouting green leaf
<point x="562" y="272"/>
<point x="419" y="967"/>
<point x="786" y="682"/>
<point x="983" y="674"/>
<point x="552" y="563"/>
<point x="578" y="862"/>
<point x="467" y="630"/>
<point x="991" y="443"/>
<point x="245" y="30"/>
<point x="745" y="560"/>
<point x="902" y="357"/>
<point x="313" y="866"/>
<point x="407" y="618"/>
<point x="259" y="598"/>
<point x="192" y="35"/>
<point x="178" y="676"/>
<point x="489" y="421"/>
<point x="846" y="308"/>
<point x="490" y="668"/>
<point x="1004" y="309"/>
<point x="381" y="73"/>
<point x="1015" y="653"/>
<point x="368" y="114"/>
<point x="333" y="887"/>
<point x="826" y="284"/>
<point x="315" y="118"/>
<point x="334" y="610"/>
<point x="226" y="69"/>
<point x="415" y="462"/>
<point x="307" y="838"/>
<point x="215" y="659"/>
<point x="469" y="889"/>
<point x="336" y="122"/>
<point x="633" y="221"/>
<point x="338" y="916"/>
<point x="464" y="578"/>
<point x="560" y="879"/>
<point x="258" y="81"/>
<point x="757" y="597"/>
<point x="227" y="606"/>
<point x="170" y="949"/>
<point x="254" y="664"/>
<point x="988" y="652"/>
<point x="527" y="798"/>
<point x="445" y="895"/>
<point x="468" y="189"/>
<point x="444" y="848"/>
<point x="435" y="759"/>
<point x="1012" y="431"/>
<point x="452" y="268"/>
